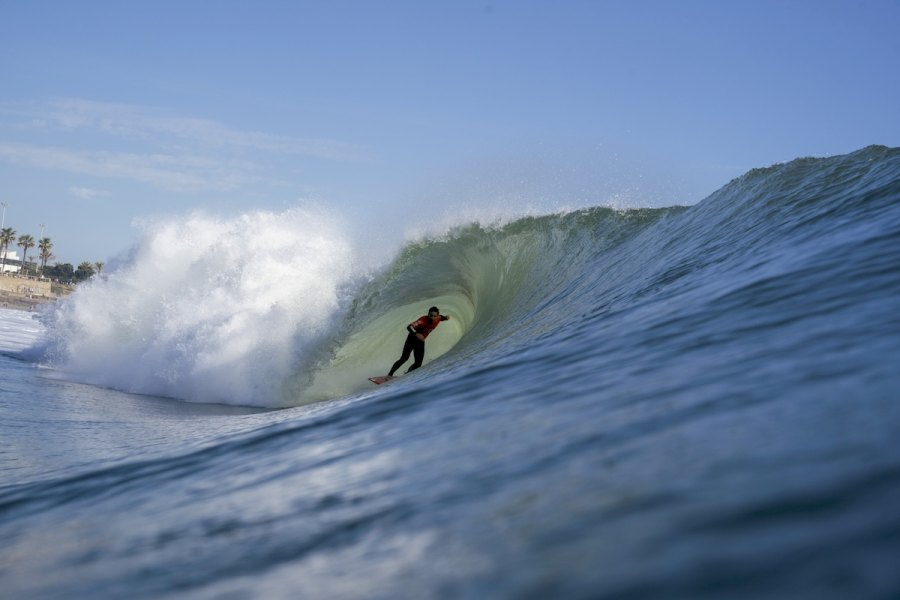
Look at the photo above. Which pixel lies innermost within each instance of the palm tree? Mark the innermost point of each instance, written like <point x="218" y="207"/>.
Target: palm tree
<point x="6" y="236"/>
<point x="46" y="247"/>
<point x="99" y="265"/>
<point x="26" y="242"/>
<point x="85" y="271"/>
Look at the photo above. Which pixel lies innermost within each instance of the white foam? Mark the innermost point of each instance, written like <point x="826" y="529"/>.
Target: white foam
<point x="209" y="309"/>
<point x="19" y="330"/>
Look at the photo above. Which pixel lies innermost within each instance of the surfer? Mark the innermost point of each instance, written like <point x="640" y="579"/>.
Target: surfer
<point x="415" y="341"/>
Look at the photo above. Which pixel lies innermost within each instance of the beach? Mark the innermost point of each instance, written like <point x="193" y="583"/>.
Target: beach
<point x="26" y="293"/>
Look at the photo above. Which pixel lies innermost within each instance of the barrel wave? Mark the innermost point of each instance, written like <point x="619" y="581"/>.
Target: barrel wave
<point x="683" y="402"/>
<point x="505" y="286"/>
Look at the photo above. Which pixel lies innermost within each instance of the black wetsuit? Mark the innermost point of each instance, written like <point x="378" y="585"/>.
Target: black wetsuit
<point x="413" y="346"/>
<point x="422" y="326"/>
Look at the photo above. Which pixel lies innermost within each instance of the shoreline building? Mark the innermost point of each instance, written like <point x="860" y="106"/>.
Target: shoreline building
<point x="11" y="257"/>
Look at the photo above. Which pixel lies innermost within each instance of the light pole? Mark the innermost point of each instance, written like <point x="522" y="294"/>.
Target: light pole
<point x="2" y="223"/>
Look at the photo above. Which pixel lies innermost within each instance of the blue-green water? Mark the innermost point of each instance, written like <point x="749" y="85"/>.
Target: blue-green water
<point x="696" y="402"/>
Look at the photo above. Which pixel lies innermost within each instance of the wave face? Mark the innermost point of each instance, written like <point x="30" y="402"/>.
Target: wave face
<point x="275" y="310"/>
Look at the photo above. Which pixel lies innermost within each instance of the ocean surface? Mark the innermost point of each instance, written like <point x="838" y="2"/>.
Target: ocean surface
<point x="685" y="402"/>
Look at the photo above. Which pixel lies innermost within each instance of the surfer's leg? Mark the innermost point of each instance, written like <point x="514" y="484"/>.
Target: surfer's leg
<point x="407" y="350"/>
<point x="418" y="354"/>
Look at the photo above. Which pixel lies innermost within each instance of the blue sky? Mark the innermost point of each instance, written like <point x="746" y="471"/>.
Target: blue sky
<point x="392" y="113"/>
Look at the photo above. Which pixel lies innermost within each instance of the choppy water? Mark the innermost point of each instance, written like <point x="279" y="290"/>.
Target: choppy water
<point x="682" y="402"/>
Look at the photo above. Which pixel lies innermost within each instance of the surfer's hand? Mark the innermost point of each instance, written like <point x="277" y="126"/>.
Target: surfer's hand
<point x="420" y="336"/>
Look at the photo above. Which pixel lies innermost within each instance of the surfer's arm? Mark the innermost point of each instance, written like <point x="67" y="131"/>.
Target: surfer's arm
<point x="412" y="330"/>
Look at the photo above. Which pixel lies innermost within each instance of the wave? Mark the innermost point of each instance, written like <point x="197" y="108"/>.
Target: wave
<point x="282" y="309"/>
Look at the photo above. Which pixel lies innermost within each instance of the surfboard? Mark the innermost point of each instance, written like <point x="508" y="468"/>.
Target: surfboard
<point x="380" y="380"/>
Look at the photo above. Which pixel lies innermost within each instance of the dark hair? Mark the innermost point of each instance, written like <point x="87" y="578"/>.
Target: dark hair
<point x="434" y="309"/>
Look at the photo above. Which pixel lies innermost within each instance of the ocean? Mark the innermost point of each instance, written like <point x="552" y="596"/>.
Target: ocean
<point x="683" y="402"/>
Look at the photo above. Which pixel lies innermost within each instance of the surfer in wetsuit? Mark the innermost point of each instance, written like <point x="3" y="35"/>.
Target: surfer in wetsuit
<point x="415" y="341"/>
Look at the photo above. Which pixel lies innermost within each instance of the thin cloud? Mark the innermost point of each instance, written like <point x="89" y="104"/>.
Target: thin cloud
<point x="86" y="193"/>
<point x="178" y="173"/>
<point x="142" y="123"/>
<point x="180" y="154"/>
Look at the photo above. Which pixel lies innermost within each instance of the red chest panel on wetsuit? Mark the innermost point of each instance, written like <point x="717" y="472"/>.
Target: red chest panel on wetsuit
<point x="425" y="325"/>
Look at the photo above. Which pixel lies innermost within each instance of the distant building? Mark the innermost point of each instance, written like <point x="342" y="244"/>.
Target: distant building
<point x="11" y="257"/>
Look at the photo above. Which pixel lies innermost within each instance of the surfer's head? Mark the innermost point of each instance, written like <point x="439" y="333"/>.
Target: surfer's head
<point x="433" y="312"/>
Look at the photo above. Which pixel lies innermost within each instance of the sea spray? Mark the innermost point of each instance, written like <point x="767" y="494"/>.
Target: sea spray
<point x="208" y="309"/>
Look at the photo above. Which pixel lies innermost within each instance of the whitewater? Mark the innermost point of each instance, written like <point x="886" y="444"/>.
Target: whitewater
<point x="684" y="402"/>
